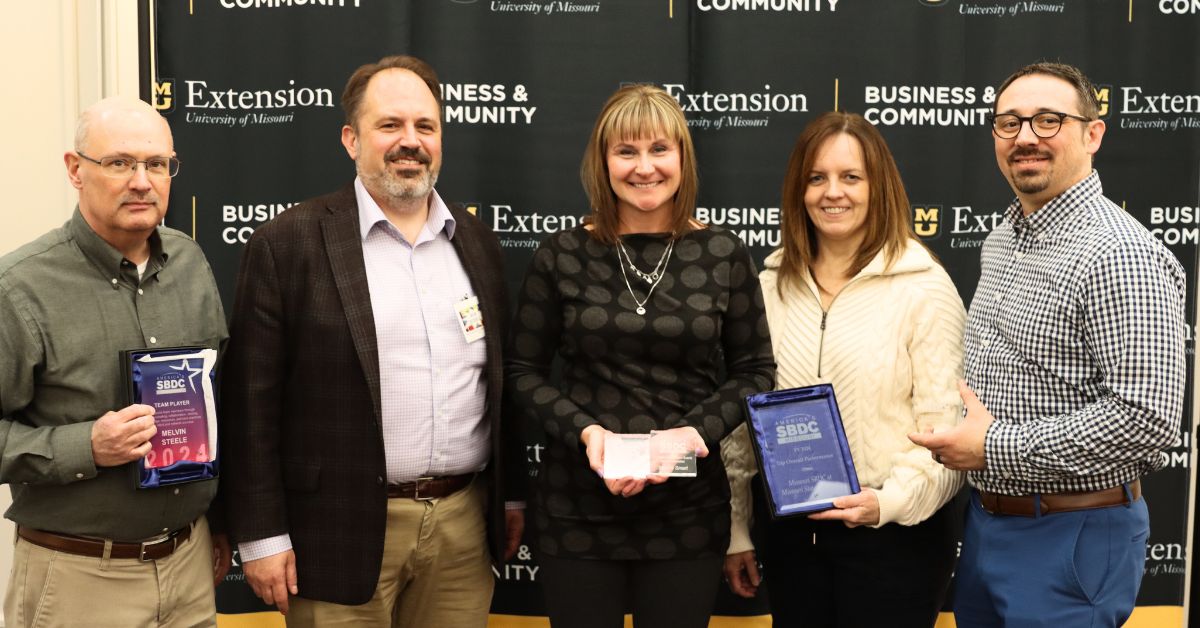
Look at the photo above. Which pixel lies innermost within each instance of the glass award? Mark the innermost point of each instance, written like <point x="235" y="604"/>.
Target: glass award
<point x="641" y="455"/>
<point x="179" y="383"/>
<point x="801" y="448"/>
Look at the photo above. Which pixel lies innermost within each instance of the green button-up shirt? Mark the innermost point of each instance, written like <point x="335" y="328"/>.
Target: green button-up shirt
<point x="69" y="303"/>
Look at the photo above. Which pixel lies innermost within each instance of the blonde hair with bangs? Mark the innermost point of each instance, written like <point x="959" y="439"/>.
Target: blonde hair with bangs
<point x="636" y="112"/>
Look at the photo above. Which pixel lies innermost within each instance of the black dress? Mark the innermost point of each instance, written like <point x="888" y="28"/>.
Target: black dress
<point x="701" y="346"/>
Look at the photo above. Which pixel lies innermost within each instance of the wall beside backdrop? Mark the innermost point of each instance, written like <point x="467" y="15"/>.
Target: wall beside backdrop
<point x="251" y="89"/>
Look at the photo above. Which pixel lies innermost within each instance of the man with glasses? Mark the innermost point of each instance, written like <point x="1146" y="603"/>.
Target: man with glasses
<point x="93" y="550"/>
<point x="1075" y="376"/>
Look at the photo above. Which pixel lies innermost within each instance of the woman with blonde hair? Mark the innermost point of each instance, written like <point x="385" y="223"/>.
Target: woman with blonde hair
<point x="658" y="322"/>
<point x="854" y="299"/>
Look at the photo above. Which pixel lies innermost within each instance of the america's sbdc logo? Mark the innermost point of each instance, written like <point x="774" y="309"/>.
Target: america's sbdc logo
<point x="179" y="382"/>
<point x="163" y="97"/>
<point x="927" y="221"/>
<point x="170" y="384"/>
<point x="797" y="428"/>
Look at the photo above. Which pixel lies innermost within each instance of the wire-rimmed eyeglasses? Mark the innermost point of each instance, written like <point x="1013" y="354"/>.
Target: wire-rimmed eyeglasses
<point x="121" y="166"/>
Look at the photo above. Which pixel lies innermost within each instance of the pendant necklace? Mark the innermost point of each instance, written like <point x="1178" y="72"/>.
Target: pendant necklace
<point x="663" y="261"/>
<point x="653" y="275"/>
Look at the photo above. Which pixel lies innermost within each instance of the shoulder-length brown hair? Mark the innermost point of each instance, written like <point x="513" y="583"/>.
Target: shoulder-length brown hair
<point x="631" y="113"/>
<point x="888" y="225"/>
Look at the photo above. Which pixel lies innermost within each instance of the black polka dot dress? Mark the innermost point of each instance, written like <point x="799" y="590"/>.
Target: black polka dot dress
<point x="700" y="347"/>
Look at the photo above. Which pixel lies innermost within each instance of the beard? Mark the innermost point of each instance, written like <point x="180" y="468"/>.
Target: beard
<point x="1031" y="182"/>
<point x="401" y="190"/>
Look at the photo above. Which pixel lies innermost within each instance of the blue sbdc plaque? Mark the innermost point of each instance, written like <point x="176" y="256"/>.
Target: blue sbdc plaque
<point x="179" y="382"/>
<point x="801" y="448"/>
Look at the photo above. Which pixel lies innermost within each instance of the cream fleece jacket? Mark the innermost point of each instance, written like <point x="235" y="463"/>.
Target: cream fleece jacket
<point x="892" y="348"/>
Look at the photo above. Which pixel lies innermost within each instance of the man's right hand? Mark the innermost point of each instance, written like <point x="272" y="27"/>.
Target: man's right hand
<point x="122" y="436"/>
<point x="273" y="578"/>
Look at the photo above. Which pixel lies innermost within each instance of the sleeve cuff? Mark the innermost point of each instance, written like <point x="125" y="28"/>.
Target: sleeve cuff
<point x="73" y="452"/>
<point x="891" y="504"/>
<point x="739" y="538"/>
<point x="254" y="550"/>
<point x="1002" y="449"/>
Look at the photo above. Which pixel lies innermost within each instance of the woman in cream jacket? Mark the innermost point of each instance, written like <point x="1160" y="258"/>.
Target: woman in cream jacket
<point x="854" y="299"/>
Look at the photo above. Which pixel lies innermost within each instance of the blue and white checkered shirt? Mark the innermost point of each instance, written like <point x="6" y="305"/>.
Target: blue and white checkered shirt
<point x="1075" y="343"/>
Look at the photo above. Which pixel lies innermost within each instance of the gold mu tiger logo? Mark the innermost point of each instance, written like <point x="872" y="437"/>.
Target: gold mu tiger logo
<point x="1103" y="94"/>
<point x="163" y="98"/>
<point x="927" y="221"/>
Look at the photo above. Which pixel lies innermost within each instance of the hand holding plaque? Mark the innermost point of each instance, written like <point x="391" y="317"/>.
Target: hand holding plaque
<point x="178" y="383"/>
<point x="801" y="448"/>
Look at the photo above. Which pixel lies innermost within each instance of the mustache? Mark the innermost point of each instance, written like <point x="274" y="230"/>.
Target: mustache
<point x="1028" y="152"/>
<point x="148" y="197"/>
<point x="403" y="152"/>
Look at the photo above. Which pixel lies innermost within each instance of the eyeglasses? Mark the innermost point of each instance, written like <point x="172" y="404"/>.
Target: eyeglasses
<point x="1044" y="125"/>
<point x="122" y="167"/>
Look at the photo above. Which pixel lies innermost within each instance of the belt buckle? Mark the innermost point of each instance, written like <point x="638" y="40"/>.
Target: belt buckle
<point x="417" y="489"/>
<point x="152" y="543"/>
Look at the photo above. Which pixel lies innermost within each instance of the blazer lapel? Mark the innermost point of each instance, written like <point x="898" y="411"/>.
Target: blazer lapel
<point x="343" y="245"/>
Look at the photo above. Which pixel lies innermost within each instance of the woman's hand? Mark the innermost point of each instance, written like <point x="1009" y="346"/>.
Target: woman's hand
<point x="860" y="509"/>
<point x="592" y="438"/>
<point x="741" y="572"/>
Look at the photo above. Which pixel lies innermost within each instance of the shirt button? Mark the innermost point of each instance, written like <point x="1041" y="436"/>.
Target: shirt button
<point x="153" y="340"/>
<point x="114" y="281"/>
<point x="166" y="529"/>
<point x="379" y="480"/>
<point x="997" y="296"/>
<point x="1018" y="255"/>
<point x="176" y="491"/>
<point x="78" y="476"/>
<point x="140" y="291"/>
<point x="986" y="343"/>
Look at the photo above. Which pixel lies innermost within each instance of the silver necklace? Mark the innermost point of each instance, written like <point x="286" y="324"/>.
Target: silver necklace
<point x="653" y="275"/>
<point x="666" y="258"/>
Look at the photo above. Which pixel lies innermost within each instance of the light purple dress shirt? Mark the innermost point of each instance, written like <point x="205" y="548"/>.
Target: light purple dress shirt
<point x="432" y="380"/>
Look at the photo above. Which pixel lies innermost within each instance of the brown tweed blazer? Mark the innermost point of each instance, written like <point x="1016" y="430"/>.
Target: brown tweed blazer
<point x="303" y="451"/>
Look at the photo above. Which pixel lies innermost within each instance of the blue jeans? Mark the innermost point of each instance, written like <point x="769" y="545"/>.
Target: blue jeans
<point x="1064" y="570"/>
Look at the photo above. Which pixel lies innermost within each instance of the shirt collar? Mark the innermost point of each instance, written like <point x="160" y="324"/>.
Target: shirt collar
<point x="371" y="214"/>
<point x="103" y="255"/>
<point x="1058" y="210"/>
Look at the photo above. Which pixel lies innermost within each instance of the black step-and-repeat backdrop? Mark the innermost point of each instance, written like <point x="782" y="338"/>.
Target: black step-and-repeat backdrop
<point x="251" y="88"/>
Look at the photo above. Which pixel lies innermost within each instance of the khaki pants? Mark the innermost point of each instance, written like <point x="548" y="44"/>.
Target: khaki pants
<point x="51" y="588"/>
<point x="436" y="570"/>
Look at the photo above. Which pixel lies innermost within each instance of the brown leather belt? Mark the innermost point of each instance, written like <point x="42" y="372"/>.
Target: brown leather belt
<point x="430" y="488"/>
<point x="1026" y="505"/>
<point x="154" y="549"/>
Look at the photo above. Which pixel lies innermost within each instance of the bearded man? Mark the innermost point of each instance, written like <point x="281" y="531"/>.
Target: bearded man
<point x="366" y="453"/>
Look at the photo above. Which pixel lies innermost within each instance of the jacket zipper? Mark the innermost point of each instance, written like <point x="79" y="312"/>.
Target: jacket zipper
<point x="821" y="342"/>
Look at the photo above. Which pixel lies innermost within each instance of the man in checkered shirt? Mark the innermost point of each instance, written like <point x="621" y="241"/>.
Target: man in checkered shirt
<point x="1075" y="376"/>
